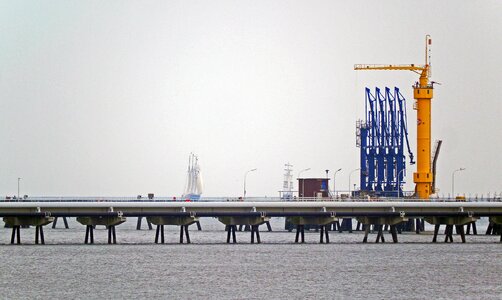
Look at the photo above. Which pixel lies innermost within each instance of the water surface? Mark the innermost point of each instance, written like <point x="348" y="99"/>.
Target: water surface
<point x="211" y="269"/>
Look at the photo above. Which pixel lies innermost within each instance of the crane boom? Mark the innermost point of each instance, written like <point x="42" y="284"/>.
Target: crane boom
<point x="410" y="67"/>
<point x="422" y="92"/>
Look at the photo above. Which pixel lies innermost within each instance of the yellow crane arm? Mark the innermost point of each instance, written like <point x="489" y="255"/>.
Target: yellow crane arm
<point x="419" y="69"/>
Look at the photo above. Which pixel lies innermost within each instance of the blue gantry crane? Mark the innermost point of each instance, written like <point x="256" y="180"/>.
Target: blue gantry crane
<point x="382" y="137"/>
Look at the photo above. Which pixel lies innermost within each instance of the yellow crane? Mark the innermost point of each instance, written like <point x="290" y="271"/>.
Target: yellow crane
<point x="422" y="92"/>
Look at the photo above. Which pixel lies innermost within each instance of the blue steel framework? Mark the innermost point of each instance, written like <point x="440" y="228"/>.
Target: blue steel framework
<point x="382" y="137"/>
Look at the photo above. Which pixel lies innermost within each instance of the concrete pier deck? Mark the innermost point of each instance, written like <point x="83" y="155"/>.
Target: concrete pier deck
<point x="256" y="208"/>
<point x="376" y="214"/>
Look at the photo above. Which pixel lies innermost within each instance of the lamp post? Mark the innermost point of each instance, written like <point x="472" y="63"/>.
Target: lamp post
<point x="399" y="182"/>
<point x="303" y="181"/>
<point x="18" y="180"/>
<point x="334" y="181"/>
<point x="245" y="176"/>
<point x="350" y="175"/>
<point x="453" y="181"/>
<point x="327" y="183"/>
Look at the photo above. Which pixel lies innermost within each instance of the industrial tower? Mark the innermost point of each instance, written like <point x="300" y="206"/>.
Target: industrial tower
<point x="422" y="92"/>
<point x="382" y="137"/>
<point x="287" y="184"/>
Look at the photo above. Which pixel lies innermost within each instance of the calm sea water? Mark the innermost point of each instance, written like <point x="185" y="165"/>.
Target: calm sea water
<point x="208" y="268"/>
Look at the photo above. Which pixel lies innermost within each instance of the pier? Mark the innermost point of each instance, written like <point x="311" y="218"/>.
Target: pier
<point x="373" y="215"/>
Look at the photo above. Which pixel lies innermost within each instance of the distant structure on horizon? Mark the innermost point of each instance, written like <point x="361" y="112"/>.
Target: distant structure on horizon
<point x="193" y="186"/>
<point x="287" y="185"/>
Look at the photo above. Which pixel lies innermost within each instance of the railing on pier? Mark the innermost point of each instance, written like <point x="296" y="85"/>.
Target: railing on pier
<point x="248" y="199"/>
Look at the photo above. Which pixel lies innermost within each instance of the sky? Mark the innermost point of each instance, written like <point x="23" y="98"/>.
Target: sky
<point x="109" y="98"/>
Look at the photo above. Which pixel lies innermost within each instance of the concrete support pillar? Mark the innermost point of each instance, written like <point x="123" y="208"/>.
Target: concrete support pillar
<point x="323" y="223"/>
<point x="231" y="233"/>
<point x="269" y="227"/>
<point x="112" y="237"/>
<point x="496" y="226"/>
<point x="159" y="233"/>
<point x="16" y="234"/>
<point x="448" y="234"/>
<point x="378" y="225"/>
<point x="436" y="231"/>
<point x="324" y="233"/>
<point x="184" y="231"/>
<point x="248" y="223"/>
<point x="474" y="229"/>
<point x="56" y="221"/>
<point x="183" y="222"/>
<point x="366" y="232"/>
<point x="138" y="224"/>
<point x="393" y="232"/>
<point x="109" y="221"/>
<point x="300" y="230"/>
<point x="380" y="236"/>
<point x="460" y="230"/>
<point x="17" y="222"/>
<point x="89" y="234"/>
<point x="39" y="231"/>
<point x="255" y="231"/>
<point x="450" y="222"/>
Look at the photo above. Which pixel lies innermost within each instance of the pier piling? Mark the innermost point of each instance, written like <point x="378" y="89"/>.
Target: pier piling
<point x="448" y="232"/>
<point x="460" y="230"/>
<point x="112" y="238"/>
<point x="184" y="231"/>
<point x="300" y="231"/>
<point x="39" y="231"/>
<point x="255" y="231"/>
<point x="393" y="232"/>
<point x="159" y="234"/>
<point x="269" y="227"/>
<point x="380" y="234"/>
<point x="231" y="233"/>
<point x="324" y="233"/>
<point x="366" y="232"/>
<point x="474" y="229"/>
<point x="56" y="221"/>
<point x="89" y="233"/>
<point x="186" y="234"/>
<point x="138" y="224"/>
<point x="436" y="231"/>
<point x="16" y="234"/>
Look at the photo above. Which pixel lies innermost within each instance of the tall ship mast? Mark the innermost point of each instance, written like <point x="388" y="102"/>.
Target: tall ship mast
<point x="193" y="186"/>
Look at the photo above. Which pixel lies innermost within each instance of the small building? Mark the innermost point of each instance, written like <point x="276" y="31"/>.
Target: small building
<point x="313" y="187"/>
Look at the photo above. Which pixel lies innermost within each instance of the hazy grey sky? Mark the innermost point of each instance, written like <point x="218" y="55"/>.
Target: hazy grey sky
<point x="110" y="97"/>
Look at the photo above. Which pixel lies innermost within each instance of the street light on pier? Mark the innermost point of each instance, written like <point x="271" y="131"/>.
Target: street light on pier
<point x="303" y="181"/>
<point x="334" y="181"/>
<point x="350" y="175"/>
<point x="327" y="182"/>
<point x="245" y="176"/>
<point x="453" y="181"/>
<point x="18" y="182"/>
